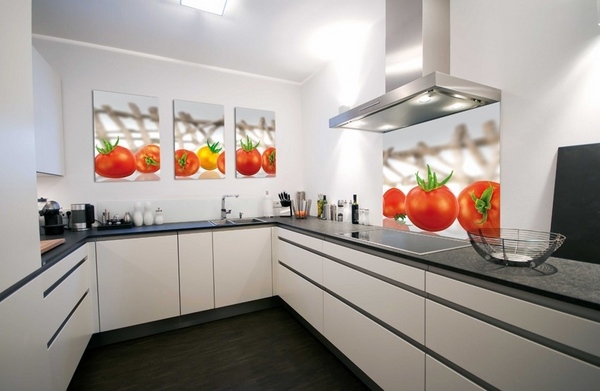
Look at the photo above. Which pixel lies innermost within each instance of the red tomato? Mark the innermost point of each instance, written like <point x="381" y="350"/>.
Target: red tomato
<point x="432" y="211"/>
<point x="479" y="205"/>
<point x="114" y="161"/>
<point x="221" y="162"/>
<point x="393" y="203"/>
<point x="186" y="163"/>
<point x="431" y="206"/>
<point x="268" y="160"/>
<point x="247" y="158"/>
<point x="147" y="158"/>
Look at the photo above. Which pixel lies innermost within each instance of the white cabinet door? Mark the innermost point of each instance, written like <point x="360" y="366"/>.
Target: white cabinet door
<point x="439" y="377"/>
<point x="400" y="309"/>
<point x="48" y="122"/>
<point x="23" y="351"/>
<point x="68" y="346"/>
<point x="388" y="360"/>
<point x="503" y="359"/>
<point x="242" y="265"/>
<point x="305" y="298"/>
<point x="196" y="288"/>
<point x="138" y="280"/>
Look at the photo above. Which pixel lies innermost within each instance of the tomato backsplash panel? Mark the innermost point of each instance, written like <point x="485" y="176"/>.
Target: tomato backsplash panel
<point x="255" y="155"/>
<point x="126" y="137"/>
<point x="465" y="146"/>
<point x="199" y="142"/>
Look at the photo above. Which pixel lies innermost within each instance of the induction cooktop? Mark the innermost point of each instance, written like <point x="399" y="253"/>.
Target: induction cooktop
<point x="412" y="242"/>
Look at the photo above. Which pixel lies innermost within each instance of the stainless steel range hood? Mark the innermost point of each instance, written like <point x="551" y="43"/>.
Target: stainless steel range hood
<point x="417" y="31"/>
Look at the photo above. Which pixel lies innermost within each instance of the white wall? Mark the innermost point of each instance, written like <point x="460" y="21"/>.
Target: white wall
<point x="545" y="57"/>
<point x="85" y="68"/>
<point x="19" y="253"/>
<point x="340" y="163"/>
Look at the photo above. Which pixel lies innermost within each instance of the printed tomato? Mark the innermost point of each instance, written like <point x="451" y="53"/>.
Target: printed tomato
<point x="393" y="203"/>
<point x="221" y="162"/>
<point x="479" y="205"/>
<point x="147" y="158"/>
<point x="186" y="163"/>
<point x="114" y="161"/>
<point x="269" y="160"/>
<point x="247" y="158"/>
<point x="208" y="155"/>
<point x="431" y="206"/>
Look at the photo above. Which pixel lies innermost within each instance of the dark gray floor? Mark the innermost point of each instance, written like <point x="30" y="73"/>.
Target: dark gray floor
<point x="264" y="350"/>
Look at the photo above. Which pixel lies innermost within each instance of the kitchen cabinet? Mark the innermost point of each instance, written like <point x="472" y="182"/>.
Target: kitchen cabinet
<point x="297" y="267"/>
<point x="387" y="290"/>
<point x="48" y="121"/>
<point x="439" y="377"/>
<point x="386" y="358"/>
<point x="242" y="265"/>
<point x="138" y="280"/>
<point x="196" y="288"/>
<point x="68" y="314"/>
<point x="362" y="313"/>
<point x="24" y="361"/>
<point x="509" y="343"/>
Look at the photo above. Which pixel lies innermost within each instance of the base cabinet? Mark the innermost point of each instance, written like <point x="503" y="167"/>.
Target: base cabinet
<point x="138" y="280"/>
<point x="305" y="298"/>
<point x="196" y="286"/>
<point x="242" y="265"/>
<point x="439" y="377"/>
<point x="69" y="345"/>
<point x="68" y="313"/>
<point x="502" y="359"/>
<point x="23" y="352"/>
<point x="387" y="359"/>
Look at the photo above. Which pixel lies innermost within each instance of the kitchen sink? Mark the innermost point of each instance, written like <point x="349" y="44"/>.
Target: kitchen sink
<point x="252" y="220"/>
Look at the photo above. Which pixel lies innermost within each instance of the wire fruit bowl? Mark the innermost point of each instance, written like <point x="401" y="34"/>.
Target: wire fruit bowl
<point x="515" y="247"/>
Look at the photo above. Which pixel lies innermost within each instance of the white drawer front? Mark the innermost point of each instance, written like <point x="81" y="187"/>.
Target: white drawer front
<point x="396" y="271"/>
<point x="63" y="298"/>
<point x="305" y="262"/>
<point x="68" y="347"/>
<point x="570" y="330"/>
<point x="305" y="298"/>
<point x="63" y="266"/>
<point x="387" y="359"/>
<point x="304" y="240"/>
<point x="502" y="359"/>
<point x="397" y="307"/>
<point x="439" y="377"/>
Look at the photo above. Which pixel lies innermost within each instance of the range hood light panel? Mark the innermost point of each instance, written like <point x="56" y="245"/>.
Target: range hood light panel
<point x="407" y="105"/>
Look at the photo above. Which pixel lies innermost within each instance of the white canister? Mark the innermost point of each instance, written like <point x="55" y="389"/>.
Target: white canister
<point x="138" y="216"/>
<point x="148" y="215"/>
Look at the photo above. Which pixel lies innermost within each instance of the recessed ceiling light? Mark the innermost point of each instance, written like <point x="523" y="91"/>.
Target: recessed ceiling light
<point x="213" y="6"/>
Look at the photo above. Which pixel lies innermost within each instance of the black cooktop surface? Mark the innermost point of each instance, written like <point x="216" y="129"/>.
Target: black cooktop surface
<point x="416" y="243"/>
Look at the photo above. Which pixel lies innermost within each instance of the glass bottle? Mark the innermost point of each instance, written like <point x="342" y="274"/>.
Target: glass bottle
<point x="355" y="215"/>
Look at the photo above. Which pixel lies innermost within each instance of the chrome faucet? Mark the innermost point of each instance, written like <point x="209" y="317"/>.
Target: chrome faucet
<point x="225" y="212"/>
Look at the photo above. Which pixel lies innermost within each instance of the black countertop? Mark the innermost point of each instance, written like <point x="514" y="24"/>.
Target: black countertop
<point x="562" y="279"/>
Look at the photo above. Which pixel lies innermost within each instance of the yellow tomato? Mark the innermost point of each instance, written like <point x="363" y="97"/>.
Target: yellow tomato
<point x="208" y="155"/>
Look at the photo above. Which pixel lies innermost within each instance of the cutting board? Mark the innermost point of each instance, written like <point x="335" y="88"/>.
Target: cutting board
<point x="576" y="206"/>
<point x="46" y="245"/>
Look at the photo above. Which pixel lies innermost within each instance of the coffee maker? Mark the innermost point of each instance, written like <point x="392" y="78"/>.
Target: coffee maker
<point x="53" y="221"/>
<point x="82" y="217"/>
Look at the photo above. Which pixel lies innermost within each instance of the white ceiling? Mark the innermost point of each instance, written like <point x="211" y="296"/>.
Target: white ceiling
<point x="273" y="38"/>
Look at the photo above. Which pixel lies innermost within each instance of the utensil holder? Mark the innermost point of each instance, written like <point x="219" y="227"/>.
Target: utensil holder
<point x="287" y="204"/>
